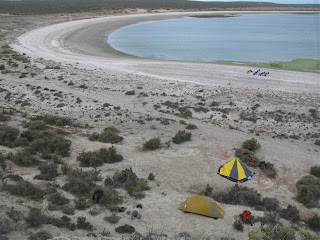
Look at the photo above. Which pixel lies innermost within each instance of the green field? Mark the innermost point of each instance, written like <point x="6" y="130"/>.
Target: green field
<point x="305" y="65"/>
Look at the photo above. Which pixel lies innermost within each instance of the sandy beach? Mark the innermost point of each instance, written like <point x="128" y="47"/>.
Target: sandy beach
<point x="76" y="51"/>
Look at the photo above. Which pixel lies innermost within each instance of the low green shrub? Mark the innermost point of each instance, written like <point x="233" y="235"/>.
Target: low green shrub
<point x="81" y="204"/>
<point x="314" y="223"/>
<point x="109" y="135"/>
<point x="128" y="180"/>
<point x="181" y="136"/>
<point x="276" y="232"/>
<point x="191" y="127"/>
<point x="23" y="159"/>
<point x="308" y="191"/>
<point x="238" y="225"/>
<point x="83" y="224"/>
<point x="251" y="144"/>
<point x="58" y="199"/>
<point x="291" y="213"/>
<point x="47" y="143"/>
<point x="54" y="120"/>
<point x="35" y="218"/>
<point x="125" y="229"/>
<point x="25" y="189"/>
<point x="245" y="196"/>
<point x="48" y="172"/>
<point x="36" y="125"/>
<point x="8" y="136"/>
<point x="151" y="177"/>
<point x="208" y="191"/>
<point x="97" y="158"/>
<point x="80" y="182"/>
<point x="152" y="144"/>
<point x="43" y="235"/>
<point x="315" y="170"/>
<point x="5" y="227"/>
<point x="113" y="219"/>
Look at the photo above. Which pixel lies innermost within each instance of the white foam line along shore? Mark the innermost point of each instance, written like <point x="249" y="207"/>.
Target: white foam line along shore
<point x="83" y="42"/>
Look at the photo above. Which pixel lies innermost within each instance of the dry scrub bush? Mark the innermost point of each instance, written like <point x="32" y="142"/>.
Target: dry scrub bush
<point x="247" y="197"/>
<point x="291" y="213"/>
<point x="125" y="229"/>
<point x="109" y="135"/>
<point x="58" y="199"/>
<point x="152" y="144"/>
<point x="181" y="136"/>
<point x="54" y="120"/>
<point x="43" y="235"/>
<point x="25" y="189"/>
<point x="80" y="182"/>
<point x="83" y="224"/>
<point x="113" y="219"/>
<point x="48" y="172"/>
<point x="8" y="136"/>
<point x="97" y="158"/>
<point x="251" y="144"/>
<point x="23" y="159"/>
<point x="315" y="170"/>
<point x="308" y="191"/>
<point x="47" y="143"/>
<point x="128" y="180"/>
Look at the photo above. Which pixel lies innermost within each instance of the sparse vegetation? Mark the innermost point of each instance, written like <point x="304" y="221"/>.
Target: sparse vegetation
<point x="208" y="191"/>
<point x="109" y="135"/>
<point x="97" y="158"/>
<point x="181" y="136"/>
<point x="152" y="144"/>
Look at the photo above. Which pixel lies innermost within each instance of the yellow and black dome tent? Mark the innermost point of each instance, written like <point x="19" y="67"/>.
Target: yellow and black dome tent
<point x="235" y="171"/>
<point x="202" y="205"/>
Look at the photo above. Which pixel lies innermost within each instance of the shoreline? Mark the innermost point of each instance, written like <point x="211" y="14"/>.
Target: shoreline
<point x="76" y="42"/>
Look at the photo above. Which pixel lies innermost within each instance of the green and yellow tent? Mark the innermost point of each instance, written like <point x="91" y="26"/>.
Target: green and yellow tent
<point x="202" y="205"/>
<point x="235" y="171"/>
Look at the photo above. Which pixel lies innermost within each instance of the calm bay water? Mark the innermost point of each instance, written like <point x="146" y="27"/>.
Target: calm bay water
<point x="247" y="37"/>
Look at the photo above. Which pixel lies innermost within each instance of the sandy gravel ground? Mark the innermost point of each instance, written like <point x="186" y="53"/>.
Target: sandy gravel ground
<point x="180" y="170"/>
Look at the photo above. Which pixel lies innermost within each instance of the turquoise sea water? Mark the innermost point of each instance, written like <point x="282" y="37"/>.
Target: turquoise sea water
<point x="247" y="37"/>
